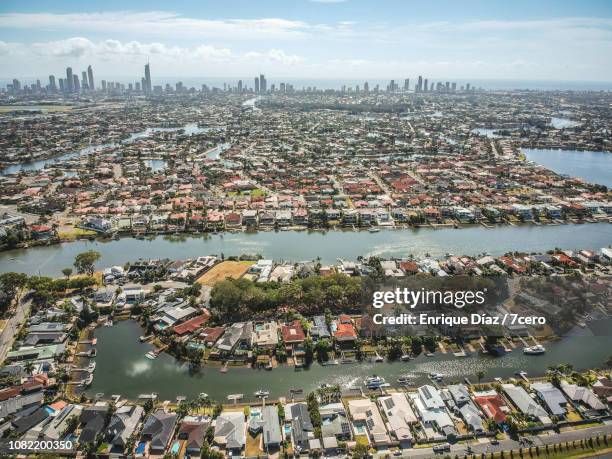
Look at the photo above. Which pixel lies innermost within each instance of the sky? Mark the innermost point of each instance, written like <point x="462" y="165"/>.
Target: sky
<point x="302" y="39"/>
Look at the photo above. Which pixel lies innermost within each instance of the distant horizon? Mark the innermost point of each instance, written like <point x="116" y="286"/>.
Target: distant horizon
<point x="519" y="40"/>
<point x="336" y="83"/>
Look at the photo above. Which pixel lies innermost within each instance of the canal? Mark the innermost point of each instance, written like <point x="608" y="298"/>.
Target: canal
<point x="308" y="245"/>
<point x="122" y="368"/>
<point x="592" y="166"/>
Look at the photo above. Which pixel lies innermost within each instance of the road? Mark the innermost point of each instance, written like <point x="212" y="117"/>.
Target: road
<point x="12" y="325"/>
<point x="505" y="445"/>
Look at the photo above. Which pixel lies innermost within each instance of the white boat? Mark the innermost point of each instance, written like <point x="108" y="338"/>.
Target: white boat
<point x="374" y="382"/>
<point x="151" y="355"/>
<point x="436" y="376"/>
<point x="262" y="393"/>
<point x="374" y="230"/>
<point x="534" y="350"/>
<point x="405" y="358"/>
<point x="405" y="381"/>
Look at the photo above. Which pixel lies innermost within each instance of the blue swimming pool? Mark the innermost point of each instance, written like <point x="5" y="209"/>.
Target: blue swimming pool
<point x="175" y="447"/>
<point x="140" y="449"/>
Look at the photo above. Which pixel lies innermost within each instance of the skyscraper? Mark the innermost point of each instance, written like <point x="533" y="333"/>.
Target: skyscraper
<point x="52" y="86"/>
<point x="256" y="84"/>
<point x="84" y="84"/>
<point x="90" y="81"/>
<point x="263" y="84"/>
<point x="366" y="87"/>
<point x="239" y="85"/>
<point x="425" y="85"/>
<point x="406" y="84"/>
<point x="148" y="86"/>
<point x="75" y="84"/>
<point x="69" y="80"/>
<point x="419" y="86"/>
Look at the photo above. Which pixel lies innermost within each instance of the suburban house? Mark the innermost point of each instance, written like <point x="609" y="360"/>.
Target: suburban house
<point x="552" y="397"/>
<point x="301" y="426"/>
<point x="492" y="405"/>
<point x="123" y="424"/>
<point x="525" y="403"/>
<point x="399" y="417"/>
<point x="461" y="403"/>
<point x="432" y="412"/>
<point x="158" y="429"/>
<point x="367" y="419"/>
<point x="230" y="431"/>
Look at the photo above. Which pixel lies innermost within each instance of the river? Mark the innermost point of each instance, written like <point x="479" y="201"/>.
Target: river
<point x="134" y="374"/>
<point x="189" y="129"/>
<point x="307" y="245"/>
<point x="592" y="166"/>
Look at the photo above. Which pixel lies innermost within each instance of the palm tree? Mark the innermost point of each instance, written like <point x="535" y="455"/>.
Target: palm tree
<point x="480" y="375"/>
<point x="29" y="367"/>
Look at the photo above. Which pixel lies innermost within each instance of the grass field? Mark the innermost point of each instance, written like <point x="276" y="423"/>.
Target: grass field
<point x="223" y="270"/>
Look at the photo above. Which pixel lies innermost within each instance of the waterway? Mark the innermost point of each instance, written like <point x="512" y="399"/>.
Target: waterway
<point x="308" y="245"/>
<point x="592" y="166"/>
<point x="122" y="368"/>
<point x="189" y="129"/>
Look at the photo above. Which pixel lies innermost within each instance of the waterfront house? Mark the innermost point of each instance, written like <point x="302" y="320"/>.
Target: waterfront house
<point x="334" y="422"/>
<point x="230" y="431"/>
<point x="55" y="428"/>
<point x="238" y="334"/>
<point x="191" y="325"/>
<point x="431" y="410"/>
<point x="492" y="405"/>
<point x="133" y="293"/>
<point x="525" y="404"/>
<point x="265" y="334"/>
<point x="270" y="426"/>
<point x="37" y="353"/>
<point x="552" y="397"/>
<point x="123" y="424"/>
<point x="192" y="431"/>
<point x="583" y="396"/>
<point x="368" y="421"/>
<point x="319" y="329"/>
<point x="210" y="335"/>
<point x="461" y="402"/>
<point x="158" y="429"/>
<point x="301" y="426"/>
<point x="345" y="334"/>
<point x="399" y="417"/>
<point x="293" y="335"/>
<point x="93" y="421"/>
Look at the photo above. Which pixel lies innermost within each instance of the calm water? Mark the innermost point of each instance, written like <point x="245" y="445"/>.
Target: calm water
<point x="134" y="374"/>
<point x="191" y="128"/>
<point x="592" y="166"/>
<point x="329" y="246"/>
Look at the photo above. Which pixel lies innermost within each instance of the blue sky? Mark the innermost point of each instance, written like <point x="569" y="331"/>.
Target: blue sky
<point x="351" y="39"/>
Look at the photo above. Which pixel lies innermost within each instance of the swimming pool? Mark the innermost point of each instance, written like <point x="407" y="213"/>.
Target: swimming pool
<point x="175" y="447"/>
<point x="140" y="449"/>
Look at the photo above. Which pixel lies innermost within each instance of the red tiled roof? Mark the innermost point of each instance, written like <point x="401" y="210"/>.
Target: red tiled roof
<point x="192" y="324"/>
<point x="345" y="332"/>
<point x="492" y="407"/>
<point x="293" y="333"/>
<point x="211" y="335"/>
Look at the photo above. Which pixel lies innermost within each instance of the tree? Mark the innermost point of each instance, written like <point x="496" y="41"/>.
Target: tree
<point x="360" y="451"/>
<point x="84" y="262"/>
<point x="29" y="367"/>
<point x="480" y="375"/>
<point x="12" y="282"/>
<point x="67" y="272"/>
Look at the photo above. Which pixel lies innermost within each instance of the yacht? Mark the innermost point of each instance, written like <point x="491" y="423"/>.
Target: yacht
<point x="262" y="393"/>
<point x="436" y="376"/>
<point x="374" y="382"/>
<point x="373" y="230"/>
<point x="405" y="358"/>
<point x="534" y="350"/>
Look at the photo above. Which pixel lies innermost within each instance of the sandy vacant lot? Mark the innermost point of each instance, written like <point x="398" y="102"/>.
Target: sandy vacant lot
<point x="223" y="270"/>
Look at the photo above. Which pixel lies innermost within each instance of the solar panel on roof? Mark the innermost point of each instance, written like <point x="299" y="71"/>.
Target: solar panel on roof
<point x="389" y="403"/>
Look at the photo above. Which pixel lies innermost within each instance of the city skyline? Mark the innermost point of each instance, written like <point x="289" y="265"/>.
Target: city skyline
<point x="311" y="39"/>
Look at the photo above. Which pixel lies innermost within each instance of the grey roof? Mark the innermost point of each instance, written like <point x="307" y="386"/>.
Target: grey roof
<point x="301" y="424"/>
<point x="93" y="419"/>
<point x="231" y="426"/>
<point x="271" y="428"/>
<point x="523" y="401"/>
<point x="159" y="427"/>
<point x="552" y="396"/>
<point x="123" y="423"/>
